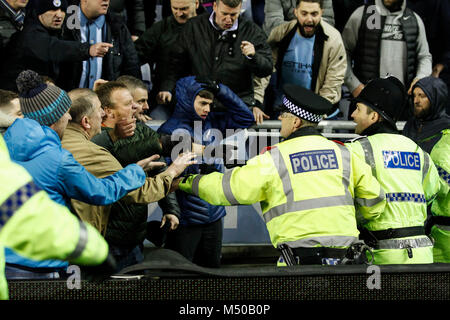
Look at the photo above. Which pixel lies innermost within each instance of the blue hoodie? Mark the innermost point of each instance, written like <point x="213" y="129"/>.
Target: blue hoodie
<point x="38" y="149"/>
<point x="237" y="116"/>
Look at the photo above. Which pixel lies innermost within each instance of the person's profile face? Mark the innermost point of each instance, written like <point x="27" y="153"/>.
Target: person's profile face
<point x="362" y="119"/>
<point x="422" y="104"/>
<point x="202" y="106"/>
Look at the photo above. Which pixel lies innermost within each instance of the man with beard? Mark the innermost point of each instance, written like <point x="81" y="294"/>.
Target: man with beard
<point x="308" y="52"/>
<point x="387" y="38"/>
<point x="430" y="129"/>
<point x="39" y="47"/>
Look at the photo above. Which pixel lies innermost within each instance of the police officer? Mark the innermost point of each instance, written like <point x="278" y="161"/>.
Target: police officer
<point x="405" y="172"/>
<point x="307" y="186"/>
<point x="27" y="214"/>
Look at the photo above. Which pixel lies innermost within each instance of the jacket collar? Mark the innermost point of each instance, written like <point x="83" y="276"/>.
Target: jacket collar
<point x="379" y="127"/>
<point x="304" y="131"/>
<point x="76" y="127"/>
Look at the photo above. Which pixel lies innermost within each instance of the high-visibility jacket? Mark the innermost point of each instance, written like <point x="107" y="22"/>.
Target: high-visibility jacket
<point x="441" y="206"/>
<point x="410" y="180"/>
<point x="39" y="228"/>
<point x="307" y="187"/>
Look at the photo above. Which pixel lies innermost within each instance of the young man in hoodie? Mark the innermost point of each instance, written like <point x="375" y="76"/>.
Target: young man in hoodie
<point x="385" y="38"/>
<point x="430" y="129"/>
<point x="199" y="235"/>
<point x="405" y="172"/>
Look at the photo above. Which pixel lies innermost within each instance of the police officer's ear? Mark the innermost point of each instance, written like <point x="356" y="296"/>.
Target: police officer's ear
<point x="298" y="122"/>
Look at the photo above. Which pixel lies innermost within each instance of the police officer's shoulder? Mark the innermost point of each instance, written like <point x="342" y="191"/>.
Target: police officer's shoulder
<point x="356" y="139"/>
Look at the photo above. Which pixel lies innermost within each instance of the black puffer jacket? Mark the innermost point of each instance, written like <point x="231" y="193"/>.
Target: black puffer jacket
<point x="201" y="51"/>
<point x="39" y="49"/>
<point x="121" y="59"/>
<point x="132" y="13"/>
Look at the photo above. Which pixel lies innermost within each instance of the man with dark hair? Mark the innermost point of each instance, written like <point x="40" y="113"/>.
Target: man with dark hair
<point x="279" y="11"/>
<point x="406" y="173"/>
<point x="199" y="236"/>
<point x="225" y="48"/>
<point x="430" y="129"/>
<point x="12" y="16"/>
<point x="308" y="52"/>
<point x="154" y="46"/>
<point x="124" y="224"/>
<point x="9" y="109"/>
<point x="39" y="46"/>
<point x="118" y="55"/>
<point x="385" y="39"/>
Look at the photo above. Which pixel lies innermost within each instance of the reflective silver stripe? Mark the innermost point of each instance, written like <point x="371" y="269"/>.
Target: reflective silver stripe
<point x="368" y="155"/>
<point x="16" y="200"/>
<point x="404" y="243"/>
<point x="371" y="202"/>
<point x="326" y="241"/>
<point x="426" y="165"/>
<point x="442" y="227"/>
<point x="283" y="173"/>
<point x="226" y="187"/>
<point x="82" y="241"/>
<point x="309" y="204"/>
<point x="195" y="183"/>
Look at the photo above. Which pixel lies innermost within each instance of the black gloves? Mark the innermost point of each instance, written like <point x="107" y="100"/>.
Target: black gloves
<point x="102" y="271"/>
<point x="207" y="84"/>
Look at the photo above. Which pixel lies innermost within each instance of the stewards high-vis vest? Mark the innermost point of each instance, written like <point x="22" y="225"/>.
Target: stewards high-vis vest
<point x="410" y="180"/>
<point x="307" y="187"/>
<point x="441" y="206"/>
<point x="37" y="227"/>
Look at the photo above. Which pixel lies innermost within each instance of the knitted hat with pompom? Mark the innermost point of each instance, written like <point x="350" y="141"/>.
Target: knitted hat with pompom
<point x="41" y="102"/>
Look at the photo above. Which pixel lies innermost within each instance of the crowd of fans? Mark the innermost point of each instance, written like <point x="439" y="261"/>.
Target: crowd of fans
<point x="77" y="69"/>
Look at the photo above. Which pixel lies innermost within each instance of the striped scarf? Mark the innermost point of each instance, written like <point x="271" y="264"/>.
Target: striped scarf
<point x="18" y="17"/>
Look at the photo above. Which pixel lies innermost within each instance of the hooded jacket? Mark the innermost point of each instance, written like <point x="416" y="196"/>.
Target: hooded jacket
<point x="194" y="210"/>
<point x="428" y="131"/>
<point x="38" y="149"/>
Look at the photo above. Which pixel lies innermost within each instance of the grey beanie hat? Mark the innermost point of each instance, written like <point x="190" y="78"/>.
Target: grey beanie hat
<point x="41" y="102"/>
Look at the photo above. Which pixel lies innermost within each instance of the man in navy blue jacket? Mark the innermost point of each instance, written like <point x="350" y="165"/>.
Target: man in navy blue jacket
<point x="199" y="235"/>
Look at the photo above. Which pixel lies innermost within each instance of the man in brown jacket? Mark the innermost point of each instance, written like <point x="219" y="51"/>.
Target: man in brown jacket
<point x="86" y="113"/>
<point x="307" y="51"/>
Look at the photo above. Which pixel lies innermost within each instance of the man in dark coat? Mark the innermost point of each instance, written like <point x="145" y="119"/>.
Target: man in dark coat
<point x="99" y="25"/>
<point x="430" y="119"/>
<point x="223" y="47"/>
<point x="12" y="17"/>
<point x="39" y="47"/>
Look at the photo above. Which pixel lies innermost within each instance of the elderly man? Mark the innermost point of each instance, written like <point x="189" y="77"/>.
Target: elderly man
<point x="118" y="56"/>
<point x="124" y="238"/>
<point x="39" y="47"/>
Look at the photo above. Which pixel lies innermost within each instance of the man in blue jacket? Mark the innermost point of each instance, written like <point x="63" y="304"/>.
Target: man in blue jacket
<point x="35" y="143"/>
<point x="199" y="235"/>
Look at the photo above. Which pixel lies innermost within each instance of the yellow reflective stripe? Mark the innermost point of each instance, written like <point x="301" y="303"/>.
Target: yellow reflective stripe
<point x="226" y="186"/>
<point x="309" y="204"/>
<point x="82" y="242"/>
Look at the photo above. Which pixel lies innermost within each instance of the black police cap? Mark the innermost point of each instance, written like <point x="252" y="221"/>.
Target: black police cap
<point x="387" y="96"/>
<point x="304" y="103"/>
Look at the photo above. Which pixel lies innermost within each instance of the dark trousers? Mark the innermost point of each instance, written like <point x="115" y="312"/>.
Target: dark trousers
<point x="199" y="243"/>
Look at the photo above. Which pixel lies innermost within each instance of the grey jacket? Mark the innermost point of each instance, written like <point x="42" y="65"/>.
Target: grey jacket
<point x="278" y="11"/>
